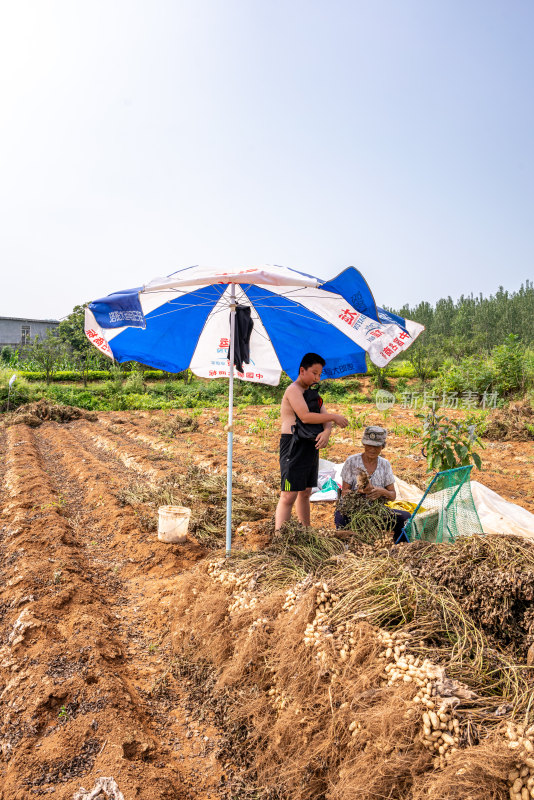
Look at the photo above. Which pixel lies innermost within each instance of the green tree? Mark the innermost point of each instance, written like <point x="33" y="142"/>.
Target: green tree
<point x="421" y="357"/>
<point x="71" y="332"/>
<point x="47" y="353"/>
<point x="379" y="375"/>
<point x="510" y="365"/>
<point x="7" y="355"/>
<point x="85" y="356"/>
<point x="473" y="326"/>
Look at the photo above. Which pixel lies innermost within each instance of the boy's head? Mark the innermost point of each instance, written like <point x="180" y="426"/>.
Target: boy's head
<point x="311" y="368"/>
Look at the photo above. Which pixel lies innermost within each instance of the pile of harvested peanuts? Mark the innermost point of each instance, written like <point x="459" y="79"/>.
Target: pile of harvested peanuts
<point x="333" y="643"/>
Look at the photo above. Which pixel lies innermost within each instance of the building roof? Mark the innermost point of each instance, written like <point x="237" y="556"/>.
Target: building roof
<point x="25" y="319"/>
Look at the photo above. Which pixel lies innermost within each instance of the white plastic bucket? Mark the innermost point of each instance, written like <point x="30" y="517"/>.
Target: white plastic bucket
<point x="173" y="522"/>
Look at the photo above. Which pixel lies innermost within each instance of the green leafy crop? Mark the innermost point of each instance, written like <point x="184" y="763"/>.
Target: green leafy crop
<point x="448" y="443"/>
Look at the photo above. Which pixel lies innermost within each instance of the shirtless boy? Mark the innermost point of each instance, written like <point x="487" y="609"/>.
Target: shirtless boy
<point x="299" y="472"/>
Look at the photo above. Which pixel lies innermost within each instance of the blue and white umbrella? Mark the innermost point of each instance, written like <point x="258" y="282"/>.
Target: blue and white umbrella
<point x="187" y="320"/>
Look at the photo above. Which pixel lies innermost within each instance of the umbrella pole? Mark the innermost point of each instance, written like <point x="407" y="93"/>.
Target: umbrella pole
<point x="229" y="457"/>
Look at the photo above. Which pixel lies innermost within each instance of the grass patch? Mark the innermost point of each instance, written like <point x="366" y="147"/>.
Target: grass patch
<point x="174" y="425"/>
<point x="205" y="493"/>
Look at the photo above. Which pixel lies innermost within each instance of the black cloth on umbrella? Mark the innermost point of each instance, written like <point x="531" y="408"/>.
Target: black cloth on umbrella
<point x="243" y="329"/>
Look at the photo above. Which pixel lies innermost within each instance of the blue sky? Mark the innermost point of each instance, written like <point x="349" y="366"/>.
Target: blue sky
<point x="137" y="138"/>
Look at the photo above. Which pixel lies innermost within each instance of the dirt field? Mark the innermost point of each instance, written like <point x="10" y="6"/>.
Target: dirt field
<point x="86" y="591"/>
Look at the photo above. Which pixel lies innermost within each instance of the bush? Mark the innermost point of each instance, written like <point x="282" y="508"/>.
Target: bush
<point x="471" y="374"/>
<point x="510" y="366"/>
<point x="20" y="391"/>
<point x="380" y="376"/>
<point x="402" y="368"/>
<point x="134" y="383"/>
<point x="160" y="375"/>
<point x="338" y="390"/>
<point x="423" y="360"/>
<point x="358" y="398"/>
<point x="7" y="355"/>
<point x="448" y="443"/>
<point x="508" y="370"/>
<point x="66" y="375"/>
<point x="400" y="387"/>
<point x="72" y="396"/>
<point x="92" y="375"/>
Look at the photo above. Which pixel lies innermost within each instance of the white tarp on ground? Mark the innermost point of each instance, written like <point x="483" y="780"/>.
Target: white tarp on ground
<point x="496" y="514"/>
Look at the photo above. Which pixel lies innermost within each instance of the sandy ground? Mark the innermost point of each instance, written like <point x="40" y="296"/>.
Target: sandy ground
<point x="85" y="683"/>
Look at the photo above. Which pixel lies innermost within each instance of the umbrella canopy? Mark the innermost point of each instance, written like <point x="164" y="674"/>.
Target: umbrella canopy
<point x="188" y="320"/>
<point x="182" y="321"/>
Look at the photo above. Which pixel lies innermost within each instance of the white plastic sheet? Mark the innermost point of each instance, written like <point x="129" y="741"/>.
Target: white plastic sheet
<point x="498" y="515"/>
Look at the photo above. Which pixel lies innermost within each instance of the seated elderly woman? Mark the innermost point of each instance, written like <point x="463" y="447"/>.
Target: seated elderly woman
<point x="371" y="475"/>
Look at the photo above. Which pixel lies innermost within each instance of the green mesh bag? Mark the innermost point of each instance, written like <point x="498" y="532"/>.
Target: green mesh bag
<point x="446" y="510"/>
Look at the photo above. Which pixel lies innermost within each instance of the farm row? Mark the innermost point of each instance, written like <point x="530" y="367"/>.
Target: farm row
<point x="88" y="679"/>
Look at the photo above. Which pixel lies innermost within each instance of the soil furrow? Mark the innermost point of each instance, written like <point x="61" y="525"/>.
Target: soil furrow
<point x="206" y="448"/>
<point x="97" y="481"/>
<point x="131" y="568"/>
<point x="127" y="448"/>
<point x="107" y="518"/>
<point x="70" y="709"/>
<point x="3" y="490"/>
<point x="129" y="460"/>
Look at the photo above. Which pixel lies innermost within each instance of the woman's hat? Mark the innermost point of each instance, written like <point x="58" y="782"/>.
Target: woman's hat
<point x="374" y="435"/>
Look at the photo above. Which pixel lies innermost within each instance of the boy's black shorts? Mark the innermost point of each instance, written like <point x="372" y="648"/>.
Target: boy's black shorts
<point x="301" y="470"/>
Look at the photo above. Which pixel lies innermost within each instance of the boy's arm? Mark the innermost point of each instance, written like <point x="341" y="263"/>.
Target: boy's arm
<point x="299" y="406"/>
<point x="321" y="439"/>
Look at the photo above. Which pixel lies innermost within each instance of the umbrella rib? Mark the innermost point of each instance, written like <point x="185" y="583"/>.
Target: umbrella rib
<point x="257" y="303"/>
<point x="176" y="290"/>
<point x="182" y="308"/>
<point x="224" y="307"/>
<point x="208" y="302"/>
<point x="286" y="310"/>
<point x="315" y="318"/>
<point x="291" y="292"/>
<point x="304" y="316"/>
<point x="197" y="296"/>
<point x="243" y="287"/>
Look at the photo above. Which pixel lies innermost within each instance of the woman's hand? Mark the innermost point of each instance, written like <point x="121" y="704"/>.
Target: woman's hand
<point x="374" y="492"/>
